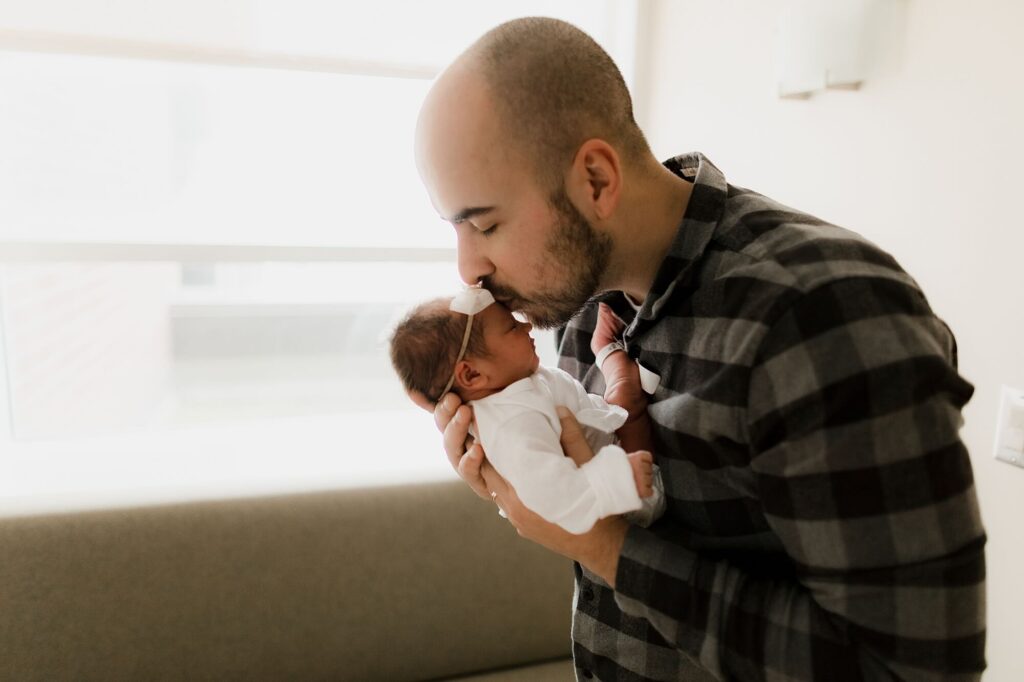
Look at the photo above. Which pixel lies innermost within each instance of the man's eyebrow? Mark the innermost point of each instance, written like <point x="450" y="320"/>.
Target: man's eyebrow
<point x="467" y="213"/>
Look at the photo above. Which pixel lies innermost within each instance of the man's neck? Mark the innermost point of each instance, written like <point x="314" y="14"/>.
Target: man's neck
<point x="646" y="226"/>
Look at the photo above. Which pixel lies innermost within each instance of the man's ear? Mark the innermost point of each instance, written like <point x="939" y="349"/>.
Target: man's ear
<point x="595" y="180"/>
<point x="466" y="376"/>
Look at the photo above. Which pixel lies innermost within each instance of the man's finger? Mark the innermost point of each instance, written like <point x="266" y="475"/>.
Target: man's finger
<point x="574" y="444"/>
<point x="445" y="409"/>
<point x="455" y="433"/>
<point x="500" y="492"/>
<point x="469" y="469"/>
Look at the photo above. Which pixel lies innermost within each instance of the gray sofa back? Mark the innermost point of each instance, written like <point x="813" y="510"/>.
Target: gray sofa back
<point x="407" y="582"/>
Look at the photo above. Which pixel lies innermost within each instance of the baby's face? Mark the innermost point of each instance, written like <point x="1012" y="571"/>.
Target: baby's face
<point x="513" y="354"/>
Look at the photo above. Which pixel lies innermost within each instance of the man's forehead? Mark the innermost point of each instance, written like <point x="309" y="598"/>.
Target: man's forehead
<point x="458" y="178"/>
<point x="464" y="159"/>
<point x="468" y="193"/>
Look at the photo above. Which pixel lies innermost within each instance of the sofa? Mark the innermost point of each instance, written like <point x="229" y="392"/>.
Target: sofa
<point x="400" y="582"/>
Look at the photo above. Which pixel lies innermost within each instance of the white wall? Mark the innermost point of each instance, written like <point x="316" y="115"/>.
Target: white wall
<point x="926" y="160"/>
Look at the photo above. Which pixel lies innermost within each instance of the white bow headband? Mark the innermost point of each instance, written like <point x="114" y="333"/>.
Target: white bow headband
<point x="469" y="301"/>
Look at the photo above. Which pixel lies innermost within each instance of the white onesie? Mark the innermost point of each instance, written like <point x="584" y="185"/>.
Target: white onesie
<point x="519" y="430"/>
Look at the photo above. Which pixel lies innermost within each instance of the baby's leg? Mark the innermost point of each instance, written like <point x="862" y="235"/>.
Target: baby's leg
<point x="622" y="382"/>
<point x="608" y="329"/>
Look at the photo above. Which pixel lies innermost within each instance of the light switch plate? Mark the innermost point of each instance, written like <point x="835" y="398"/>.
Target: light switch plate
<point x="1009" y="441"/>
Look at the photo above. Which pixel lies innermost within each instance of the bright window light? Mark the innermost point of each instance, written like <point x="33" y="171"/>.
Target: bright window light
<point x="224" y="218"/>
<point x="116" y="150"/>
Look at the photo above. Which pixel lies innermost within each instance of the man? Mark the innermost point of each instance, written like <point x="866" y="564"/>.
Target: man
<point x="822" y="521"/>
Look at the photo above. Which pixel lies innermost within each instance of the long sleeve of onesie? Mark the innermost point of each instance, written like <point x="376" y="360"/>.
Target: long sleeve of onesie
<point x="526" y="451"/>
<point x="595" y="414"/>
<point x="519" y="429"/>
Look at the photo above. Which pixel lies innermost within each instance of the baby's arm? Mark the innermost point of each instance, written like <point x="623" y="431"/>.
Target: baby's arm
<point x="526" y="451"/>
<point x="622" y="382"/>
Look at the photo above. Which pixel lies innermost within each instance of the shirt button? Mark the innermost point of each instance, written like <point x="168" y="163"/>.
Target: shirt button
<point x="588" y="594"/>
<point x="587" y="674"/>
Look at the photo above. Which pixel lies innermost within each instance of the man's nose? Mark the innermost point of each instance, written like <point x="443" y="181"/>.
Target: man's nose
<point x="473" y="264"/>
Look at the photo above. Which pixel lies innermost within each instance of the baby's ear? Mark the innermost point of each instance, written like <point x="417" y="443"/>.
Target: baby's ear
<point x="466" y="375"/>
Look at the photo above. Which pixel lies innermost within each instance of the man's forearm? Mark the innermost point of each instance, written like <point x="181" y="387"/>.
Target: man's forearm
<point x="603" y="545"/>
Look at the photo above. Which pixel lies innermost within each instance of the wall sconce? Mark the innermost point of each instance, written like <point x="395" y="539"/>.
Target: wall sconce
<point x="829" y="44"/>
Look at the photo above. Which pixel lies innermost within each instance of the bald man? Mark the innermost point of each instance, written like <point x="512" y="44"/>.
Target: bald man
<point x="822" y="522"/>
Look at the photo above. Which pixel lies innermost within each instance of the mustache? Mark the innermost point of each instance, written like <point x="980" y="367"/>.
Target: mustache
<point x="499" y="291"/>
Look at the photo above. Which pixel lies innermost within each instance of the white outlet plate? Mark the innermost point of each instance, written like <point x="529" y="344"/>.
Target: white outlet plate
<point x="1009" y="441"/>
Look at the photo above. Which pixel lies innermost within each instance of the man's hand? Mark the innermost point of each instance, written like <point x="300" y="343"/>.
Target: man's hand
<point x="466" y="455"/>
<point x="598" y="549"/>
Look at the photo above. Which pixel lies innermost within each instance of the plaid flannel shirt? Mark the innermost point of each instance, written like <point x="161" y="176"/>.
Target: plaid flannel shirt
<point x="822" y="522"/>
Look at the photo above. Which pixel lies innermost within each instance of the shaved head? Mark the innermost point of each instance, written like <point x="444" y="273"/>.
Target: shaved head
<point x="523" y="144"/>
<point x="553" y="87"/>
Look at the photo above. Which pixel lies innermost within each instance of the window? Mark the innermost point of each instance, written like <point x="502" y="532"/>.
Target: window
<point x="209" y="217"/>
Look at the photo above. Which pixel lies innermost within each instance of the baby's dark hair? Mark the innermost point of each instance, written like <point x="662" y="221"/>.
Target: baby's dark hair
<point x="426" y="343"/>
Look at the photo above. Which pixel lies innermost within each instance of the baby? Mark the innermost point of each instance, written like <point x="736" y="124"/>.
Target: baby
<point x="473" y="346"/>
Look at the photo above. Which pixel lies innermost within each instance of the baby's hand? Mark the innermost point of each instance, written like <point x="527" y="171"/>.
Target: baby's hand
<point x="643" y="471"/>
<point x="609" y="328"/>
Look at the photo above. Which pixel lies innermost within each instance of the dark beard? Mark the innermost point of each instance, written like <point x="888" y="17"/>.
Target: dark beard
<point x="580" y="252"/>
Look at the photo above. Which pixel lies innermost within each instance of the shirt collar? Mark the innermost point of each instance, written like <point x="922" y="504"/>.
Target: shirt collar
<point x="703" y="212"/>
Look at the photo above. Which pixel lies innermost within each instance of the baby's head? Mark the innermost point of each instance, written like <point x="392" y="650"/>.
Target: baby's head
<point x="425" y="346"/>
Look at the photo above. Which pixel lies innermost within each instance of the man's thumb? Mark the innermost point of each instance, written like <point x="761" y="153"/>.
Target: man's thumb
<point x="574" y="444"/>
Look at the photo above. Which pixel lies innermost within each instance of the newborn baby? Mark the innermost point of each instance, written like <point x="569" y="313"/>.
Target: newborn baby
<point x="473" y="346"/>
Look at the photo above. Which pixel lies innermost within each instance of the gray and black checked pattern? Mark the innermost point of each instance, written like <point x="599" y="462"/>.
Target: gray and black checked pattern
<point x="822" y="522"/>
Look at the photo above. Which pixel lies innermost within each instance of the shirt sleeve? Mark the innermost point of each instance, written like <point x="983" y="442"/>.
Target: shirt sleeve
<point x="526" y="451"/>
<point x="853" y="418"/>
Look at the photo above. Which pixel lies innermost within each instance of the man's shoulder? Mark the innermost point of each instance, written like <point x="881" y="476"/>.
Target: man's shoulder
<point x="781" y="251"/>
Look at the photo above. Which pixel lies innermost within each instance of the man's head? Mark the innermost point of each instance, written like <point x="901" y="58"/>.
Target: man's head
<point x="425" y="350"/>
<point x="522" y="144"/>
